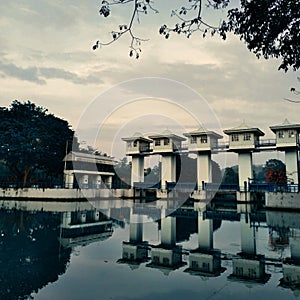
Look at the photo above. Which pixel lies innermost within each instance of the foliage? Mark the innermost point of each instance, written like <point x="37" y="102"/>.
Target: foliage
<point x="270" y="28"/>
<point x="275" y="172"/>
<point x="187" y="169"/>
<point x="123" y="173"/>
<point x="32" y="139"/>
<point x="152" y="175"/>
<point x="230" y="176"/>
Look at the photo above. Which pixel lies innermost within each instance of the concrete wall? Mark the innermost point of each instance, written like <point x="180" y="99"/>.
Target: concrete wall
<point x="248" y="268"/>
<point x="39" y="193"/>
<point x="283" y="200"/>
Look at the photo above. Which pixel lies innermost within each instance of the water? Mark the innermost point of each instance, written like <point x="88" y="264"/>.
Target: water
<point x="69" y="251"/>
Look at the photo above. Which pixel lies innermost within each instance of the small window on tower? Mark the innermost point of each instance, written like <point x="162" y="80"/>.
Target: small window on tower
<point x="166" y="141"/>
<point x="193" y="140"/>
<point x="247" y="136"/>
<point x="235" y="138"/>
<point x="281" y="134"/>
<point x="203" y="139"/>
<point x="291" y="133"/>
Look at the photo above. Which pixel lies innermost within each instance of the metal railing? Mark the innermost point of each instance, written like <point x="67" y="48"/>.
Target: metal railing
<point x="209" y="186"/>
<point x="147" y="185"/>
<point x="36" y="185"/>
<point x="267" y="142"/>
<point x="267" y="187"/>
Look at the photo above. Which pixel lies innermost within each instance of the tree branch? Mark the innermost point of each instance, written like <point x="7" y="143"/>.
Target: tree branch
<point x="140" y="7"/>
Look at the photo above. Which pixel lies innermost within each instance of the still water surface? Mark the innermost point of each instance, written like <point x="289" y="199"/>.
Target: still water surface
<point x="72" y="251"/>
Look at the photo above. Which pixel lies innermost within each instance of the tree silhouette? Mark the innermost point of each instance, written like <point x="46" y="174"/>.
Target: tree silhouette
<point x="32" y="139"/>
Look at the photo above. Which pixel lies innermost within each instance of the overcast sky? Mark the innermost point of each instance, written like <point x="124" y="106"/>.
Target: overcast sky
<point x="46" y="57"/>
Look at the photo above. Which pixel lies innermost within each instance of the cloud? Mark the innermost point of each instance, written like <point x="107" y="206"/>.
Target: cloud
<point x="39" y="75"/>
<point x="28" y="74"/>
<point x="55" y="73"/>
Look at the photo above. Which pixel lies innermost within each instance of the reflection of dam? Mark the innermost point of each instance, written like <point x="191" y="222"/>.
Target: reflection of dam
<point x="247" y="265"/>
<point x="84" y="227"/>
<point x="39" y="244"/>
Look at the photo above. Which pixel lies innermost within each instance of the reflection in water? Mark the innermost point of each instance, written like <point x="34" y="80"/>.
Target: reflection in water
<point x="30" y="254"/>
<point x="36" y="247"/>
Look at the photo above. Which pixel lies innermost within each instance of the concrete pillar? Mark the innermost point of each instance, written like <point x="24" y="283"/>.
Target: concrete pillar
<point x="168" y="231"/>
<point x="97" y="182"/>
<point x="245" y="168"/>
<point x="137" y="169"/>
<point x="168" y="169"/>
<point x="135" y="227"/>
<point x="81" y="216"/>
<point x="96" y="215"/>
<point x="205" y="233"/>
<point x="66" y="219"/>
<point x="204" y="168"/>
<point x="84" y="181"/>
<point x="248" y="238"/>
<point x="69" y="181"/>
<point x="108" y="182"/>
<point x="291" y="162"/>
<point x="295" y="245"/>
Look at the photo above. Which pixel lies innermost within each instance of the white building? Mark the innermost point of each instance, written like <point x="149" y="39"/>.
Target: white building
<point x="85" y="170"/>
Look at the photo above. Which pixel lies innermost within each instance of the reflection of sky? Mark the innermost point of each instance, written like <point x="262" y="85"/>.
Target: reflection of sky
<point x="94" y="274"/>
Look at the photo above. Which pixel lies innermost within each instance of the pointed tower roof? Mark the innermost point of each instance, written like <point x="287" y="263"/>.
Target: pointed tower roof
<point x="202" y="131"/>
<point x="167" y="134"/>
<point x="137" y="137"/>
<point x="285" y="125"/>
<point x="243" y="128"/>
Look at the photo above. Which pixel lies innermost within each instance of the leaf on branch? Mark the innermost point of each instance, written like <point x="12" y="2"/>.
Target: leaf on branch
<point x="104" y="10"/>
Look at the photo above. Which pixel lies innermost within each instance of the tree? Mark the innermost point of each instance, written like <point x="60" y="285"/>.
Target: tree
<point x="123" y="173"/>
<point x="32" y="139"/>
<point x="275" y="172"/>
<point x="270" y="28"/>
<point x="230" y="176"/>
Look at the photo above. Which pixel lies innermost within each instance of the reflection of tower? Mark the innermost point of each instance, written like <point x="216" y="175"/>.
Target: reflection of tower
<point x="167" y="255"/>
<point x="205" y="260"/>
<point x="248" y="237"/>
<point x="286" y="232"/>
<point x="135" y="251"/>
<point x="249" y="265"/>
<point x="291" y="266"/>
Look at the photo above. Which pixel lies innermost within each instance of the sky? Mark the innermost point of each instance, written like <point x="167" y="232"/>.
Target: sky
<point x="177" y="84"/>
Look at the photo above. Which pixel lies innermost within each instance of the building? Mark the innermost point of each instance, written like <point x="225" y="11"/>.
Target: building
<point x="84" y="170"/>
